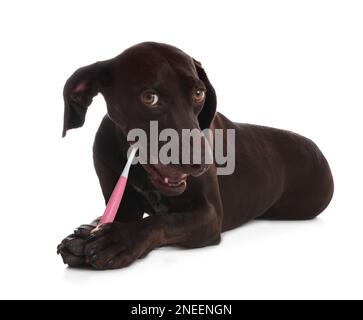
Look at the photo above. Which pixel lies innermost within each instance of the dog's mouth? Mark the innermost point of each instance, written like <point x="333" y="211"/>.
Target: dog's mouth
<point x="166" y="179"/>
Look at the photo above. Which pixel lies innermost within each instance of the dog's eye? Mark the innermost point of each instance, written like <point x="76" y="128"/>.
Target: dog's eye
<point x="199" y="95"/>
<point x="149" y="98"/>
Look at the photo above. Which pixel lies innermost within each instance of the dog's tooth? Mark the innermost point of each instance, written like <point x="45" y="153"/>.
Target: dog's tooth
<point x="166" y="180"/>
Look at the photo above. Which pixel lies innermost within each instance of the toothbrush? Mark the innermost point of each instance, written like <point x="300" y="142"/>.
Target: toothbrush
<point x="117" y="194"/>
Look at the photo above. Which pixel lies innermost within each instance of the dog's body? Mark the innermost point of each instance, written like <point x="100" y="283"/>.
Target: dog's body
<point x="278" y="174"/>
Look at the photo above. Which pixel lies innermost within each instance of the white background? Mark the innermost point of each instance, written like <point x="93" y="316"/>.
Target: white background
<point x="296" y="65"/>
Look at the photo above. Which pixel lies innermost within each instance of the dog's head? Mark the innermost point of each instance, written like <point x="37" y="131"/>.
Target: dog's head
<point x="147" y="82"/>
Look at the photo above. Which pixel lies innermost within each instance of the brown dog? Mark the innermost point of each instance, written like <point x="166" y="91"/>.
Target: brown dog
<point x="278" y="174"/>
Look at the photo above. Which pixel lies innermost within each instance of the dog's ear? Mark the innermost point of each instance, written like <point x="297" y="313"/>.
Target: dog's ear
<point x="79" y="91"/>
<point x="207" y="114"/>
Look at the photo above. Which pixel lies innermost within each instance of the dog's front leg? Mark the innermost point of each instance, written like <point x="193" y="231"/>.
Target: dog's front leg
<point x="117" y="245"/>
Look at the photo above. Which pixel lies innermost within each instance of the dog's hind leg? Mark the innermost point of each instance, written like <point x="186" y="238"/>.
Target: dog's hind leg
<point x="306" y="196"/>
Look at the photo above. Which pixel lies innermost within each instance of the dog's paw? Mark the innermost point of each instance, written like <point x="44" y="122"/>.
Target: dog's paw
<point x="116" y="245"/>
<point x="72" y="247"/>
<point x="71" y="250"/>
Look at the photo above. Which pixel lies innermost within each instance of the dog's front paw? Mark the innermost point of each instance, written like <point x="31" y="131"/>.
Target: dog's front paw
<point x="72" y="247"/>
<point x="71" y="250"/>
<point x="116" y="245"/>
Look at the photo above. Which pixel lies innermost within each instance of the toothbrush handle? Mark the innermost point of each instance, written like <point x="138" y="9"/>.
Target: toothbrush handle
<point x="114" y="201"/>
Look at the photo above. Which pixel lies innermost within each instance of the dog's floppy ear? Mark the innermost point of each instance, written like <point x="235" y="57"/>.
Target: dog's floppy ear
<point x="79" y="91"/>
<point x="210" y="105"/>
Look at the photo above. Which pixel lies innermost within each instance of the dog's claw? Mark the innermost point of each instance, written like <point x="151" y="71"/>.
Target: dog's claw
<point x="109" y="264"/>
<point x="91" y="238"/>
<point x="91" y="253"/>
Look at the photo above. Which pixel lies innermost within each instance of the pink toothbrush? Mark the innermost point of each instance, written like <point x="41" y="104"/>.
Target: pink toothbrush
<point x="117" y="194"/>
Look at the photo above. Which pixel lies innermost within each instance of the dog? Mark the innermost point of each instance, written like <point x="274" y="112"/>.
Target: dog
<point x="279" y="175"/>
